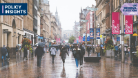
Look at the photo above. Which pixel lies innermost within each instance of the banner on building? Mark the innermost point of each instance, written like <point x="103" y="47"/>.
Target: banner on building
<point x="80" y="38"/>
<point x="115" y="23"/>
<point x="128" y="24"/>
<point x="88" y="37"/>
<point x="91" y="33"/>
<point x="97" y="33"/>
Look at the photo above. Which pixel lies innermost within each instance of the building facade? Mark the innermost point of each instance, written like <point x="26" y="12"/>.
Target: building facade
<point x="67" y="34"/>
<point x="14" y="28"/>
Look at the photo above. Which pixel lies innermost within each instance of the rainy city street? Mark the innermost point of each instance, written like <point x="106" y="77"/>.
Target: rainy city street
<point x="106" y="68"/>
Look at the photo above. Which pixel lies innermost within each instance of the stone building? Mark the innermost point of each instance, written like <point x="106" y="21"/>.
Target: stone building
<point x="103" y="18"/>
<point x="45" y="19"/>
<point x="76" y="29"/>
<point x="28" y="22"/>
<point x="66" y="34"/>
<point x="54" y="27"/>
<point x="14" y="28"/>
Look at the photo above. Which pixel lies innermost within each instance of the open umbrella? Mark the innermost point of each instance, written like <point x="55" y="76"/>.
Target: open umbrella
<point x="41" y="44"/>
<point x="89" y="45"/>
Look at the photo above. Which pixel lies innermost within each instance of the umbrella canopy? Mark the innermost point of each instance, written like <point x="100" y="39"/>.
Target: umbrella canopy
<point x="89" y="45"/>
<point x="41" y="44"/>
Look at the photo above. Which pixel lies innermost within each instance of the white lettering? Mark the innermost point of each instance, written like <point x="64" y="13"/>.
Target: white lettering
<point x="6" y="6"/>
<point x="7" y="11"/>
<point x="20" y="6"/>
<point x="11" y="11"/>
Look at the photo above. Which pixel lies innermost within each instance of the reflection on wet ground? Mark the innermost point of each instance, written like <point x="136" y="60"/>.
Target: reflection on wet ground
<point x="106" y="68"/>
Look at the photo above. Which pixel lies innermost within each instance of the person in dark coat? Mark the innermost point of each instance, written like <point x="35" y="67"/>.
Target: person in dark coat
<point x="88" y="49"/>
<point x="64" y="51"/>
<point x="25" y="52"/>
<point x="3" y="52"/>
<point x="82" y="52"/>
<point x="8" y="50"/>
<point x="39" y="53"/>
<point x="77" y="55"/>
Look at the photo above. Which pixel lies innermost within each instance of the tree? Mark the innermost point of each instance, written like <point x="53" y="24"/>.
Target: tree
<point x="71" y="39"/>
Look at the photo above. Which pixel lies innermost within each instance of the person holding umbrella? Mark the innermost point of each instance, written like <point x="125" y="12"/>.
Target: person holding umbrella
<point x="53" y="53"/>
<point x="39" y="53"/>
<point x="64" y="51"/>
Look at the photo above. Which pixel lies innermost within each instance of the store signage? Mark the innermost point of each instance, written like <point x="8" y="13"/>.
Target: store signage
<point x="129" y="9"/>
<point x="13" y="8"/>
<point x="128" y="24"/>
<point x="115" y="23"/>
<point x="91" y="33"/>
<point x="98" y="33"/>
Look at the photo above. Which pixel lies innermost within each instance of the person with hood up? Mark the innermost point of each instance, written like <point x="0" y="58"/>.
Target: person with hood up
<point x="39" y="53"/>
<point x="64" y="51"/>
<point x="53" y="53"/>
<point x="76" y="54"/>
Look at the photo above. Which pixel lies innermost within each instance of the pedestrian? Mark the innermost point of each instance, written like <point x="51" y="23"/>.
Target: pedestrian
<point x="8" y="50"/>
<point x="98" y="50"/>
<point x="53" y="53"/>
<point x="25" y="53"/>
<point x="64" y="51"/>
<point x="133" y="48"/>
<point x="116" y="50"/>
<point x="82" y="53"/>
<point x="32" y="50"/>
<point x="76" y="54"/>
<point x="3" y="53"/>
<point x="88" y="50"/>
<point x="39" y="52"/>
<point x="60" y="46"/>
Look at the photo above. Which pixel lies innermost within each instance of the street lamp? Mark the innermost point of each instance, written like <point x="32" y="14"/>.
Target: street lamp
<point x="85" y="34"/>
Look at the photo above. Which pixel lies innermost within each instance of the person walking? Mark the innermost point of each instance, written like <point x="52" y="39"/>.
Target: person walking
<point x="53" y="53"/>
<point x="8" y="51"/>
<point x="39" y="52"/>
<point x="3" y="53"/>
<point x="88" y="50"/>
<point x="98" y="51"/>
<point x="76" y="54"/>
<point x="64" y="51"/>
<point x="116" y="50"/>
<point x="25" y="53"/>
<point x="82" y="53"/>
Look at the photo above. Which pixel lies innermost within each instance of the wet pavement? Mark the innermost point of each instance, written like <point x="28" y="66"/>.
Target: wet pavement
<point x="106" y="68"/>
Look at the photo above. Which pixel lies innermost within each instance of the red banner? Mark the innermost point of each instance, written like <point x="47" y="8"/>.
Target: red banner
<point x="115" y="23"/>
<point x="128" y="24"/>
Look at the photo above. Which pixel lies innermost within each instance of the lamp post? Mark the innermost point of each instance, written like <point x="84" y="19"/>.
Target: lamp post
<point x="122" y="34"/>
<point x="85" y="34"/>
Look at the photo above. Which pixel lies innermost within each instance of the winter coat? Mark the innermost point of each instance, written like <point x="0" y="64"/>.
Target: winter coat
<point x="39" y="51"/>
<point x="98" y="49"/>
<point x="77" y="53"/>
<point x="82" y="52"/>
<point x="4" y="51"/>
<point x="88" y="49"/>
<point x="63" y="53"/>
<point x="53" y="51"/>
<point x="25" y="52"/>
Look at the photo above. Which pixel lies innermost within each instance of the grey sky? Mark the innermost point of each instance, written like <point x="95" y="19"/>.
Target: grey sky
<point x="68" y="10"/>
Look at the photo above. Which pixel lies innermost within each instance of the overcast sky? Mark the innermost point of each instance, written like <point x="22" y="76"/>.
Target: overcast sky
<point x="68" y="10"/>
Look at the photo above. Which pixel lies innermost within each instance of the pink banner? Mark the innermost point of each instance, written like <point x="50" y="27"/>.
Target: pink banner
<point x="115" y="23"/>
<point x="128" y="24"/>
<point x="79" y="38"/>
